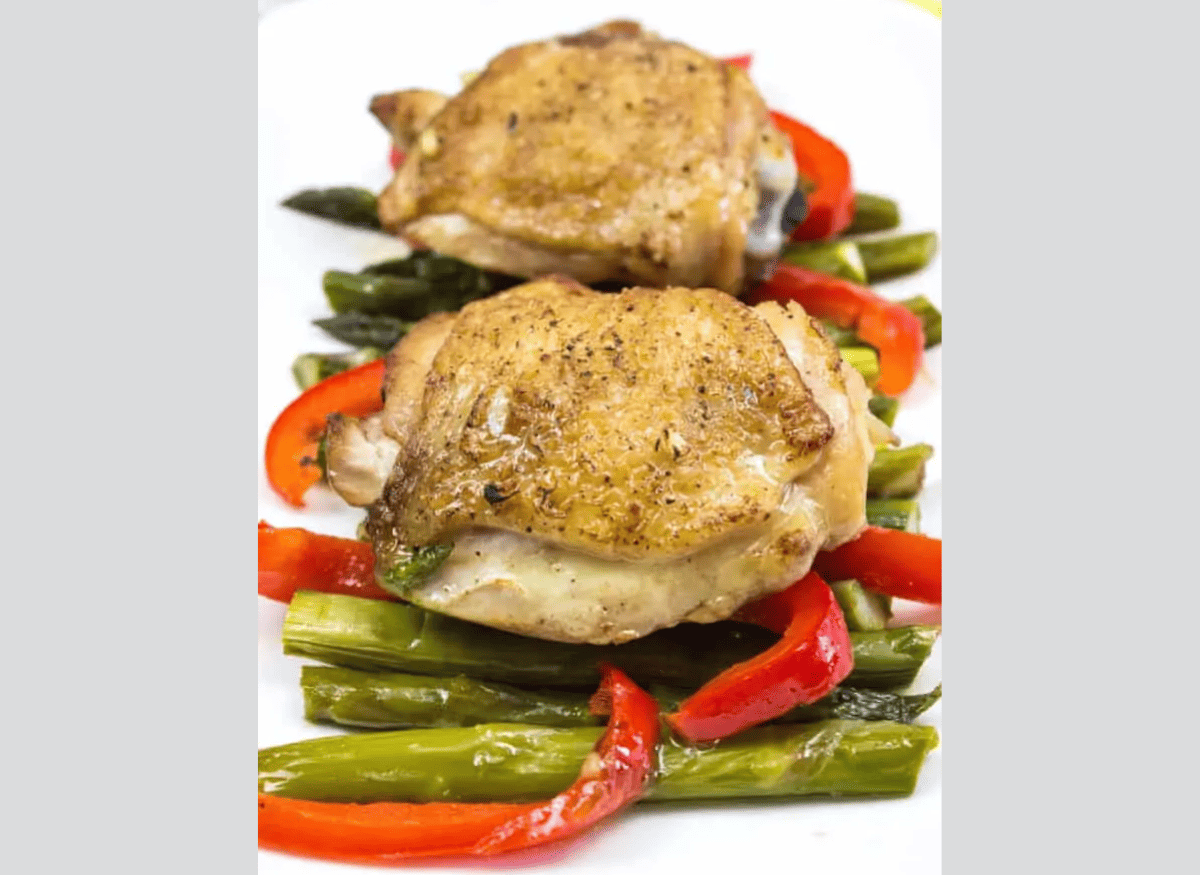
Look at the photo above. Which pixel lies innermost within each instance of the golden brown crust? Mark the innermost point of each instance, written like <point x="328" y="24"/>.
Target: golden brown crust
<point x="645" y="424"/>
<point x="407" y="364"/>
<point x="613" y="141"/>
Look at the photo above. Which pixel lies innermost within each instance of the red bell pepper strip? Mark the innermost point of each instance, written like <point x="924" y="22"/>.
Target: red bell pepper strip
<point x="742" y="61"/>
<point x="295" y="559"/>
<point x="895" y="563"/>
<point x="812" y="657"/>
<point x="887" y="325"/>
<point x="614" y="775"/>
<point x="821" y="162"/>
<point x="292" y="443"/>
<point x="396" y="158"/>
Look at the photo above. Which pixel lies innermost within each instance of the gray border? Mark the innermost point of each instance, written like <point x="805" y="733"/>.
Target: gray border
<point x="1067" y="140"/>
<point x="130" y="279"/>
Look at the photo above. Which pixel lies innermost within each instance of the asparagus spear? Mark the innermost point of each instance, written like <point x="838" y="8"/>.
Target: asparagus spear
<point x="838" y="258"/>
<point x="884" y="408"/>
<point x="864" y="360"/>
<point x="931" y="318"/>
<point x="830" y="758"/>
<point x="343" y="204"/>
<point x="393" y="700"/>
<point x="894" y="513"/>
<point x="487" y="762"/>
<point x="373" y="294"/>
<point x="441" y="270"/>
<point x="896" y="256"/>
<point x="409" y="298"/>
<point x="390" y="636"/>
<point x="841" y="336"/>
<point x="313" y="367"/>
<point x="898" y="473"/>
<point x="879" y="656"/>
<point x="864" y="611"/>
<point x="507" y="762"/>
<point x="412" y="287"/>
<point x="873" y="212"/>
<point x="361" y="330"/>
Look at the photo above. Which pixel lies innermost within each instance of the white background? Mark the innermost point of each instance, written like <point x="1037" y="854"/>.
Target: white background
<point x="867" y="73"/>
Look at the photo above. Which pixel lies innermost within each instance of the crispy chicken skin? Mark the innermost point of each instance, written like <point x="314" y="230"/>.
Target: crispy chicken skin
<point x="611" y="464"/>
<point x="637" y="425"/>
<point x="608" y="155"/>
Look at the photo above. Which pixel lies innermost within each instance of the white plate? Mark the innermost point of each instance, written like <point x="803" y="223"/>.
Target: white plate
<point x="867" y="73"/>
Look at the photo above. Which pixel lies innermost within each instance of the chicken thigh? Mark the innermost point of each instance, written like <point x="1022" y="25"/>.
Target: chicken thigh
<point x="609" y="155"/>
<point x="609" y="464"/>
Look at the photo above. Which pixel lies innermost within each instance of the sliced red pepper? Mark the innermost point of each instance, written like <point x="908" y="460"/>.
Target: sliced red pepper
<point x="295" y="559"/>
<point x="742" y="61"/>
<point x="396" y="158"/>
<point x="812" y="657"/>
<point x="888" y="326"/>
<point x="614" y="775"/>
<point x="895" y="563"/>
<point x="822" y="163"/>
<point x="292" y="443"/>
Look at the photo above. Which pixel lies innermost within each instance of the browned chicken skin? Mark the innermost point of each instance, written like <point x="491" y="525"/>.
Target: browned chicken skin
<point x="608" y="155"/>
<point x="610" y="423"/>
<point x="610" y="464"/>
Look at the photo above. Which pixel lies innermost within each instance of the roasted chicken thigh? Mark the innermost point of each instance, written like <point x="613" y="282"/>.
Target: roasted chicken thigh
<point x="608" y="155"/>
<point x="609" y="464"/>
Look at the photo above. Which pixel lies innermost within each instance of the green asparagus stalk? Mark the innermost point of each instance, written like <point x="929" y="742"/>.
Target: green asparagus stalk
<point x="391" y="636"/>
<point x="373" y="294"/>
<point x="850" y="704"/>
<point x="843" y="337"/>
<point x="343" y="204"/>
<point x="884" y="408"/>
<point x="361" y="330"/>
<point x="411" y="288"/>
<point x="507" y="762"/>
<point x="894" y="513"/>
<point x="873" y="212"/>
<point x="879" y="657"/>
<point x="930" y="316"/>
<point x="409" y="298"/>
<point x="482" y="763"/>
<point x="838" y="258"/>
<point x="864" y="611"/>
<point x="442" y="271"/>
<point x="313" y="367"/>
<point x="890" y="257"/>
<point x="394" y="700"/>
<point x="898" y="473"/>
<point x="831" y="758"/>
<point x="864" y="360"/>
